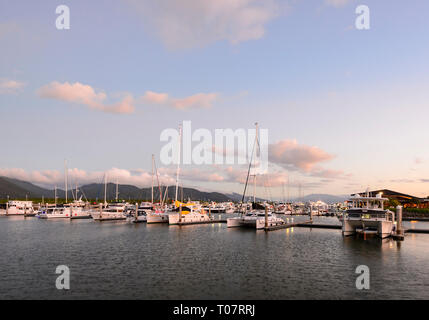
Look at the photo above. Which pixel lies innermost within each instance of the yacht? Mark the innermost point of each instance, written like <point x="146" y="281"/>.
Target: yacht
<point x="18" y="208"/>
<point x="283" y="208"/>
<point x="159" y="215"/>
<point x="140" y="217"/>
<point x="260" y="214"/>
<point x="368" y="215"/>
<point x="110" y="212"/>
<point x="217" y="208"/>
<point x="188" y="213"/>
<point x="146" y="206"/>
<point x="254" y="219"/>
<point x="68" y="212"/>
<point x="230" y="208"/>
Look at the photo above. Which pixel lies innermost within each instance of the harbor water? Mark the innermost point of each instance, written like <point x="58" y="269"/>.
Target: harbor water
<point x="137" y="261"/>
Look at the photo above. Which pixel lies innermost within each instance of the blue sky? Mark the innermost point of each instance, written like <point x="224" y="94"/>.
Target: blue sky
<point x="299" y="68"/>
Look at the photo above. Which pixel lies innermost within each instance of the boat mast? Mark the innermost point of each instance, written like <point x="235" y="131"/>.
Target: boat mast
<point x="153" y="160"/>
<point x="105" y="189"/>
<point x="178" y="161"/>
<point x="254" y="173"/>
<point x="157" y="179"/>
<point x="55" y="196"/>
<point x="65" y="177"/>
<point x="117" y="193"/>
<point x="288" y="188"/>
<point x="248" y="171"/>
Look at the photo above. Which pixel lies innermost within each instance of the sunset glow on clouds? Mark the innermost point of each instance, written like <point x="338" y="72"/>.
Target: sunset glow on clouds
<point x="199" y="100"/>
<point x="341" y="111"/>
<point x="86" y="95"/>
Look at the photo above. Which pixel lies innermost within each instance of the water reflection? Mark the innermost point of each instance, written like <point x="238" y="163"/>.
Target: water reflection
<point x="139" y="261"/>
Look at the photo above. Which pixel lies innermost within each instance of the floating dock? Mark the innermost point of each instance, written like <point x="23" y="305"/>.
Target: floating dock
<point x="286" y="226"/>
<point x="319" y="226"/>
<point x="109" y="219"/>
<point x="200" y="222"/>
<point x="416" y="231"/>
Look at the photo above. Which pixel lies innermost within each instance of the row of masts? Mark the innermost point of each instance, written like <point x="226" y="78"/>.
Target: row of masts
<point x="256" y="151"/>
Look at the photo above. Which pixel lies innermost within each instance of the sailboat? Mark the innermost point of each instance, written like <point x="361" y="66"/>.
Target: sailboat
<point x="259" y="214"/>
<point x="74" y="210"/>
<point x="109" y="212"/>
<point x="160" y="212"/>
<point x="185" y="212"/>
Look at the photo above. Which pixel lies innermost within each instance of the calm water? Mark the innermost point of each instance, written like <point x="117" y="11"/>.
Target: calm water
<point x="127" y="261"/>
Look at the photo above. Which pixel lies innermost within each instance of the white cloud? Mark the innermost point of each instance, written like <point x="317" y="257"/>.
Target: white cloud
<point x="86" y="95"/>
<point x="199" y="100"/>
<point x="196" y="23"/>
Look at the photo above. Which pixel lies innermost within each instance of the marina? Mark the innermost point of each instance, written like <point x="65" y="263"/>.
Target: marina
<point x="148" y="261"/>
<point x="212" y="152"/>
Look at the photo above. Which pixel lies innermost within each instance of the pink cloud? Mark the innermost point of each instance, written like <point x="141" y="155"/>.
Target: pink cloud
<point x="290" y="154"/>
<point x="85" y="95"/>
<point x="199" y="100"/>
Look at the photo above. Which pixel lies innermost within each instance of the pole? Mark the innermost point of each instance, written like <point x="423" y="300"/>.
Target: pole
<point x="105" y="189"/>
<point x="65" y="177"/>
<point x="266" y="217"/>
<point x="180" y="214"/>
<point x="137" y="213"/>
<point x="153" y="159"/>
<point x="399" y="220"/>
<point x="7" y="208"/>
<point x="117" y="193"/>
<point x="178" y="161"/>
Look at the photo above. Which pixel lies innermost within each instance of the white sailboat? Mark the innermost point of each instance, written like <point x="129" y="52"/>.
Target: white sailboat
<point x="259" y="214"/>
<point x="160" y="212"/>
<point x="109" y="212"/>
<point x="189" y="212"/>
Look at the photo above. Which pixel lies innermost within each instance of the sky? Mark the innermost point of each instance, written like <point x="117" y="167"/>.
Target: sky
<point x="345" y="109"/>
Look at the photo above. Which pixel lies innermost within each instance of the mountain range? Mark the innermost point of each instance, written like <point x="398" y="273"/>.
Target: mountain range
<point x="18" y="189"/>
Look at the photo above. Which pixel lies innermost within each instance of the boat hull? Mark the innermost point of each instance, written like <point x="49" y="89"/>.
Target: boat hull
<point x="188" y="218"/>
<point x="157" y="218"/>
<point x="350" y="226"/>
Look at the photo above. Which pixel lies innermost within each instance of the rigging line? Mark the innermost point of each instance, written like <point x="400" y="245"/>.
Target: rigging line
<point x="157" y="179"/>
<point x="248" y="173"/>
